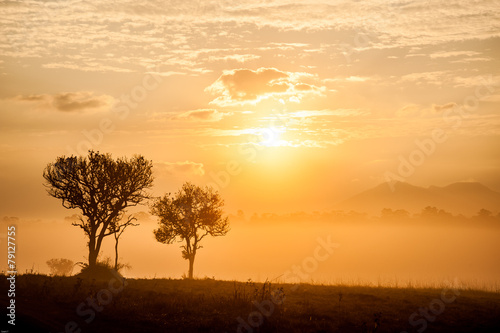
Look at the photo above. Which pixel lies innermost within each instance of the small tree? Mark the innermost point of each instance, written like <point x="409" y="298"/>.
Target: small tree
<point x="60" y="266"/>
<point x="188" y="216"/>
<point x="117" y="228"/>
<point x="101" y="187"/>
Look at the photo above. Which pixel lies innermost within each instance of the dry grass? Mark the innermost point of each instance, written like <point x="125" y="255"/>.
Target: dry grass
<point x="164" y="305"/>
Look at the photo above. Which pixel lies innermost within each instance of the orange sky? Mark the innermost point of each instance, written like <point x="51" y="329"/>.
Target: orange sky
<point x="283" y="106"/>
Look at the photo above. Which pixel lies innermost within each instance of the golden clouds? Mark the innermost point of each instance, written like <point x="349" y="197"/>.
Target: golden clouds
<point x="177" y="168"/>
<point x="201" y="115"/>
<point x="69" y="101"/>
<point x="246" y="86"/>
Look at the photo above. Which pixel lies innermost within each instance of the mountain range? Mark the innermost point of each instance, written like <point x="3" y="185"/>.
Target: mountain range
<point x="465" y="198"/>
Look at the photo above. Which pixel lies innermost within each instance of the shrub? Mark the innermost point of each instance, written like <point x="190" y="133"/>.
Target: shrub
<point x="60" y="266"/>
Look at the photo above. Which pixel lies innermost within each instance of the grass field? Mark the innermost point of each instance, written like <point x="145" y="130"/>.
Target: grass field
<point x="71" y="304"/>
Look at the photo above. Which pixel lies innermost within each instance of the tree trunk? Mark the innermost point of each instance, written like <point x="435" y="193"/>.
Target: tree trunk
<point x="94" y="249"/>
<point x="191" y="264"/>
<point x="92" y="252"/>
<point x="116" y="255"/>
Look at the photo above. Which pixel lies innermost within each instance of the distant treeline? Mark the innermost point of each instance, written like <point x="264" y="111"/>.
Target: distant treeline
<point x="428" y="213"/>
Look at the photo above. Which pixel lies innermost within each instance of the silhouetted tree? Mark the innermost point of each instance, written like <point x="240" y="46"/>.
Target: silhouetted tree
<point x="117" y="228"/>
<point x="484" y="213"/>
<point x="188" y="216"/>
<point x="101" y="187"/>
<point x="60" y="266"/>
<point x="430" y="212"/>
<point x="389" y="214"/>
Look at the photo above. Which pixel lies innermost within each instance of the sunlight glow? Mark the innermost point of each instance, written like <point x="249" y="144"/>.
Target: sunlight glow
<point x="271" y="137"/>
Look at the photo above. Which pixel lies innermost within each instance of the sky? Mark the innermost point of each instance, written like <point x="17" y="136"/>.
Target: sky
<point x="279" y="105"/>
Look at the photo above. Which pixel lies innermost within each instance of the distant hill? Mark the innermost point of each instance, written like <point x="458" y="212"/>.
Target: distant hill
<point x="465" y="198"/>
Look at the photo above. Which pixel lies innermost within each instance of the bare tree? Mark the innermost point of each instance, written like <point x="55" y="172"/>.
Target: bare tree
<point x="188" y="216"/>
<point x="101" y="187"/>
<point x="117" y="228"/>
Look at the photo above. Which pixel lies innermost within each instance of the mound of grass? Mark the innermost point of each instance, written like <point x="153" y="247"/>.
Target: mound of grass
<point x="101" y="271"/>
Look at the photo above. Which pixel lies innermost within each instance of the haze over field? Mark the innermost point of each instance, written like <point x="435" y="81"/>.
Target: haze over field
<point x="283" y="107"/>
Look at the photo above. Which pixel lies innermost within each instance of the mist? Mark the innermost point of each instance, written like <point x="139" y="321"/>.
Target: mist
<point x="367" y="251"/>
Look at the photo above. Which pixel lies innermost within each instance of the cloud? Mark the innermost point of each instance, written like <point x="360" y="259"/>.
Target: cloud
<point x="350" y="79"/>
<point x="421" y="111"/>
<point x="489" y="82"/>
<point x="448" y="54"/>
<point x="328" y="112"/>
<point x="174" y="168"/>
<point x="86" y="68"/>
<point x="71" y="218"/>
<point x="468" y="60"/>
<point x="246" y="86"/>
<point x="356" y="79"/>
<point x="429" y="78"/>
<point x="78" y="101"/>
<point x="415" y="111"/>
<point x="408" y="110"/>
<point x="69" y="101"/>
<point x="444" y="107"/>
<point x="304" y="87"/>
<point x="174" y="29"/>
<point x="166" y="74"/>
<point x="201" y="115"/>
<point x="491" y="98"/>
<point x="241" y="58"/>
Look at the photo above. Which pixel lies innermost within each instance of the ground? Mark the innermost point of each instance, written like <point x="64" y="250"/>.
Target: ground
<point x="72" y="304"/>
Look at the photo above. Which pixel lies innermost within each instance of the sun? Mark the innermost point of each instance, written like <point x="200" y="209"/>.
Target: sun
<point x="271" y="137"/>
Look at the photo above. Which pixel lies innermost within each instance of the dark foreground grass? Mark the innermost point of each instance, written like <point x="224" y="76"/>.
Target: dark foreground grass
<point x="71" y="304"/>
